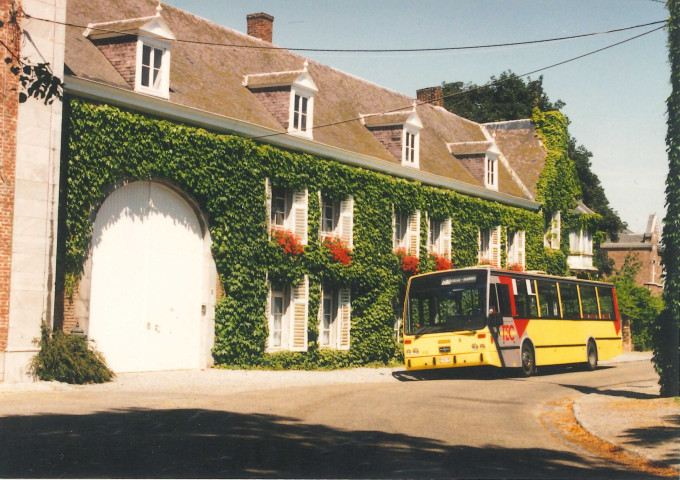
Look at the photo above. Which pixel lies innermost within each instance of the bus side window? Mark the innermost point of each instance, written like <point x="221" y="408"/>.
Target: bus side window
<point x="570" y="306"/>
<point x="525" y="298"/>
<point x="504" y="299"/>
<point x="493" y="299"/>
<point x="588" y="301"/>
<point x="606" y="303"/>
<point x="547" y="296"/>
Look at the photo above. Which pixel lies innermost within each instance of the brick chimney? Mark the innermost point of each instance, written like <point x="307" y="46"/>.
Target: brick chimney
<point x="261" y="25"/>
<point x="432" y="95"/>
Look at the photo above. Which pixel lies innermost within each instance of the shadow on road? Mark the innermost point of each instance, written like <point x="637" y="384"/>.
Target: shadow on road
<point x="206" y="443"/>
<point x="613" y="393"/>
<point x="658" y="435"/>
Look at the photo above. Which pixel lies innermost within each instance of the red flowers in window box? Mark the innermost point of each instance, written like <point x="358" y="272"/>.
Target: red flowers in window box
<point x="338" y="250"/>
<point x="515" y="267"/>
<point x="289" y="241"/>
<point x="487" y="262"/>
<point x="441" y="262"/>
<point x="409" y="263"/>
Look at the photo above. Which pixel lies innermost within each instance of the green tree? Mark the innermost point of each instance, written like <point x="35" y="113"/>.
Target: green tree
<point x="636" y="303"/>
<point x="667" y="326"/>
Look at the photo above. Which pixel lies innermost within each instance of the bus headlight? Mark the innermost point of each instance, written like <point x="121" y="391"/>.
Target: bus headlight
<point x="415" y="351"/>
<point x="474" y="347"/>
<point x="408" y="352"/>
<point x="482" y="346"/>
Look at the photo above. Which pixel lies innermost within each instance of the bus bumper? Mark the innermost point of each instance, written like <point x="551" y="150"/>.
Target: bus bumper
<point x="451" y="361"/>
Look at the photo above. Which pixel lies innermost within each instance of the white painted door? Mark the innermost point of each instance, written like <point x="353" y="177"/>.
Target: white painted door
<point x="145" y="301"/>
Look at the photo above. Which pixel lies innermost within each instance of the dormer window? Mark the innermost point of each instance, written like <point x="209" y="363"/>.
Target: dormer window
<point x="153" y="68"/>
<point x="289" y="97"/>
<point x="139" y="49"/>
<point x="399" y="132"/>
<point x="480" y="159"/>
<point x="410" y="157"/>
<point x="491" y="171"/>
<point x="301" y="112"/>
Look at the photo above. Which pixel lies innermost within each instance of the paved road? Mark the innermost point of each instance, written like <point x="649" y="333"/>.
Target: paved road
<point x="362" y="423"/>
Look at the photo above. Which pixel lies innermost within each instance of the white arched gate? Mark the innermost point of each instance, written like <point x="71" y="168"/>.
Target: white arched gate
<point x="148" y="280"/>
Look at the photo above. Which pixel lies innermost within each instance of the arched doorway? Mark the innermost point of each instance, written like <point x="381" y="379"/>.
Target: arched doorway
<point x="148" y="281"/>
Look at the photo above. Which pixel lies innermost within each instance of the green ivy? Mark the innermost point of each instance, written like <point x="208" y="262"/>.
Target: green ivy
<point x="225" y="177"/>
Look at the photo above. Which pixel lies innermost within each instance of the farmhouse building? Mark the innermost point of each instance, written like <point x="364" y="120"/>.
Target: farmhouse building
<point x="201" y="195"/>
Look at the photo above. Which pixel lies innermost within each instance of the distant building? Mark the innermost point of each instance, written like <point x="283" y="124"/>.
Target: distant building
<point x="646" y="246"/>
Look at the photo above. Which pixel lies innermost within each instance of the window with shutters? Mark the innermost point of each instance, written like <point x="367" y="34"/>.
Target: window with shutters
<point x="153" y="68"/>
<point x="439" y="237"/>
<point x="334" y="318"/>
<point x="491" y="171"/>
<point x="337" y="219"/>
<point x="490" y="246"/>
<point x="287" y="311"/>
<point x="580" y="250"/>
<point x="553" y="235"/>
<point x="406" y="232"/>
<point x="516" y="249"/>
<point x="287" y="210"/>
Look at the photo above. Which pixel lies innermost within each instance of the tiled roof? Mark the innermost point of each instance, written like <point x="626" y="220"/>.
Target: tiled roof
<point x="470" y="148"/>
<point x="522" y="148"/>
<point x="211" y="78"/>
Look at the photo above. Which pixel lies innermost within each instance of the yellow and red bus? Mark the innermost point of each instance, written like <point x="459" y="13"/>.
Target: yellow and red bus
<point x="487" y="316"/>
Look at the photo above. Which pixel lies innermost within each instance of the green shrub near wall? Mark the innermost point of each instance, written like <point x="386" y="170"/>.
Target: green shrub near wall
<point x="225" y="176"/>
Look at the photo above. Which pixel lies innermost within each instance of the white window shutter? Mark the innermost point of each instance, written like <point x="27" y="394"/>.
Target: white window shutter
<point x="347" y="221"/>
<point x="395" y="239"/>
<point x="520" y="248"/>
<point x="268" y="203"/>
<point x="300" y="215"/>
<point x="344" y="318"/>
<point x="298" y="321"/>
<point x="495" y="247"/>
<point x="446" y="238"/>
<point x="414" y="233"/>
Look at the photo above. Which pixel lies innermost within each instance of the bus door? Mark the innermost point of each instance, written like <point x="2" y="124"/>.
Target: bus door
<point x="501" y="322"/>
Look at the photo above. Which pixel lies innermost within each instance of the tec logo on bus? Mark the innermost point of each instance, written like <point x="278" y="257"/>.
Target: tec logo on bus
<point x="508" y="333"/>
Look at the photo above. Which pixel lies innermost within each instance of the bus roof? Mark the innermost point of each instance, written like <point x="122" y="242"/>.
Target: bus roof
<point x="516" y="274"/>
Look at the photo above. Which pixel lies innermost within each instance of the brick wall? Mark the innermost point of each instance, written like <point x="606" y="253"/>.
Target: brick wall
<point x="651" y="263"/>
<point x="9" y="107"/>
<point x="122" y="53"/>
<point x="391" y="138"/>
<point x="261" y="25"/>
<point x="474" y="164"/>
<point x="277" y="101"/>
<point x="432" y="95"/>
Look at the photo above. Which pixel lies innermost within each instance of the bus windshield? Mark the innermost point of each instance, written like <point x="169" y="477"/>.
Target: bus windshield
<point x="451" y="302"/>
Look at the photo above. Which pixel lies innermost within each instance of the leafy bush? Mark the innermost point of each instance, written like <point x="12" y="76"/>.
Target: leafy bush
<point x="636" y="303"/>
<point x="68" y="358"/>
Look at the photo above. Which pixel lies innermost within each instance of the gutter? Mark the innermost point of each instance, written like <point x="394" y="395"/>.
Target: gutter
<point x="104" y="93"/>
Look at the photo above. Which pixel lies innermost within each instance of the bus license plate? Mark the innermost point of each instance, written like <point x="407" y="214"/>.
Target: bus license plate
<point x="445" y="360"/>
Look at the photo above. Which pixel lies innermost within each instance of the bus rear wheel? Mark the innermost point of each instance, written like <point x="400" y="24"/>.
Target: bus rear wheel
<point x="591" y="351"/>
<point x="528" y="360"/>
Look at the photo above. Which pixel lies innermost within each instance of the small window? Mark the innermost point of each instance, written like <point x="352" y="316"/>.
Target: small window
<point x="279" y="307"/>
<point x="334" y="318"/>
<point x="300" y="113"/>
<point x="589" y="301"/>
<point x="401" y="225"/>
<point x="499" y="299"/>
<point x="491" y="172"/>
<point x="410" y="148"/>
<point x="152" y="60"/>
<point x="606" y="296"/>
<point x="548" y="299"/>
<point x="435" y="235"/>
<point x="570" y="306"/>
<point x="329" y="312"/>
<point x="525" y="298"/>
<point x="281" y="205"/>
<point x="330" y="216"/>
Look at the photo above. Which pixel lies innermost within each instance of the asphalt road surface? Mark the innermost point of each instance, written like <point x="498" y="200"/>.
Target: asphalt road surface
<point x="362" y="423"/>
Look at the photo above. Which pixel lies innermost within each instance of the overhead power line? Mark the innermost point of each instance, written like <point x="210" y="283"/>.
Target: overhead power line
<point x="368" y="50"/>
<point x="480" y="87"/>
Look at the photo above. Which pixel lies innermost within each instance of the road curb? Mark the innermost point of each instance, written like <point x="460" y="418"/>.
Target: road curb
<point x="577" y="410"/>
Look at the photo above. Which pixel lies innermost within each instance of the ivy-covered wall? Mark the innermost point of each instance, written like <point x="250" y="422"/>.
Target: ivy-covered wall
<point x="225" y="175"/>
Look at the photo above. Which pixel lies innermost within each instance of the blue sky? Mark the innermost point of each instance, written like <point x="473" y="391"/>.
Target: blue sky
<point x="615" y="99"/>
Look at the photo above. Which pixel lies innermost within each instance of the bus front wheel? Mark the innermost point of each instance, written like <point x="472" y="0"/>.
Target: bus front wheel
<point x="591" y="362"/>
<point x="528" y="360"/>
